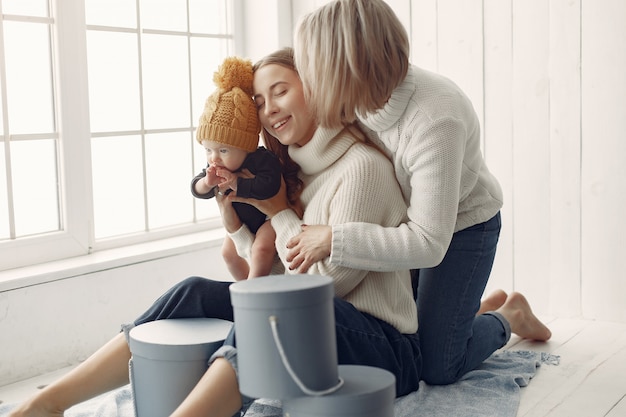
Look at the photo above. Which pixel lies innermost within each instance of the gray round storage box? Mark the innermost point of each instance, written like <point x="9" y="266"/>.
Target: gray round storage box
<point x="303" y="310"/>
<point x="366" y="392"/>
<point x="168" y="359"/>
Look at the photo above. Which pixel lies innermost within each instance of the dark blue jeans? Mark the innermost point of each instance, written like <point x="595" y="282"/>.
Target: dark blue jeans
<point x="361" y="338"/>
<point x="453" y="340"/>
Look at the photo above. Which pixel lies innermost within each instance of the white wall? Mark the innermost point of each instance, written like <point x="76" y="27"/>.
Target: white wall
<point x="52" y="325"/>
<point x="268" y="26"/>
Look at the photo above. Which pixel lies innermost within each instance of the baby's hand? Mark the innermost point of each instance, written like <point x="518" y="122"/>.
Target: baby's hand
<point x="227" y="179"/>
<point x="212" y="179"/>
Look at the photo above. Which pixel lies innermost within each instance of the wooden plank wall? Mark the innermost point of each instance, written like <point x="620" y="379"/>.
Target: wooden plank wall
<point x="603" y="131"/>
<point x="548" y="80"/>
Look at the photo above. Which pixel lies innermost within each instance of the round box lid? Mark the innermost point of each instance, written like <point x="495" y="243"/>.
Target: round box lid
<point x="366" y="391"/>
<point x="178" y="339"/>
<point x="282" y="291"/>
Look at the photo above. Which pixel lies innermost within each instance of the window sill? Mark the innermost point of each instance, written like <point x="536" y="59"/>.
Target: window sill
<point x="108" y="259"/>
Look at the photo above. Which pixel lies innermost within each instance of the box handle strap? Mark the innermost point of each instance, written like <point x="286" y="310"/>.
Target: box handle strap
<point x="283" y="356"/>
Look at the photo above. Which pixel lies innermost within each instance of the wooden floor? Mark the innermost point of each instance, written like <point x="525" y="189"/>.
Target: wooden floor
<point x="589" y="382"/>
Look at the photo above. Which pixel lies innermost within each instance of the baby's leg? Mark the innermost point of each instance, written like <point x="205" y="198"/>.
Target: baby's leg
<point x="263" y="251"/>
<point x="237" y="266"/>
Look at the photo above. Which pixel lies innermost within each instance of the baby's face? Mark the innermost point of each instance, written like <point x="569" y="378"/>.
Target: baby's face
<point x="224" y="156"/>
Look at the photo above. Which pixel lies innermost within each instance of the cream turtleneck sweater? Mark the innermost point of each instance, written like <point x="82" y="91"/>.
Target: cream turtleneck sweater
<point x="431" y="132"/>
<point x="347" y="181"/>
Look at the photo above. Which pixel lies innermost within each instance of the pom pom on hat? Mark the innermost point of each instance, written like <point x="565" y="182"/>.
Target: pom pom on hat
<point x="230" y="114"/>
<point x="234" y="72"/>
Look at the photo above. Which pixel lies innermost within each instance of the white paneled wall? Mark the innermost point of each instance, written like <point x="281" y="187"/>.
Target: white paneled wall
<point x="548" y="80"/>
<point x="602" y="160"/>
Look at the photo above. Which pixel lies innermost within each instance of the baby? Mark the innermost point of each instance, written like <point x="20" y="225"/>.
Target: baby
<point x="229" y="131"/>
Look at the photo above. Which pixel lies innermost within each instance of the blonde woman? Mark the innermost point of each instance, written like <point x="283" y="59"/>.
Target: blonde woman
<point x="353" y="58"/>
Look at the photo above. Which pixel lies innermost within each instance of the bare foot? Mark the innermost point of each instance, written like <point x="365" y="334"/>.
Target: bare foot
<point x="522" y="320"/>
<point x="492" y="302"/>
<point x="29" y="409"/>
<point x="36" y="406"/>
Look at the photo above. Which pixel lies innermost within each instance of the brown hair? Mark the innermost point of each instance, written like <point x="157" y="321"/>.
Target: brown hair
<point x="284" y="58"/>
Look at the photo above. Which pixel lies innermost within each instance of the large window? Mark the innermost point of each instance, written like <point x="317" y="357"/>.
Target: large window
<point x="99" y="103"/>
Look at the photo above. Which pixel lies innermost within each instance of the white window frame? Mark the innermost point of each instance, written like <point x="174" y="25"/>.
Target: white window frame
<point x="75" y="200"/>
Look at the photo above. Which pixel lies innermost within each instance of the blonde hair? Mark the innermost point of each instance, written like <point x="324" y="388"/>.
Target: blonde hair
<point x="351" y="55"/>
<point x="284" y="58"/>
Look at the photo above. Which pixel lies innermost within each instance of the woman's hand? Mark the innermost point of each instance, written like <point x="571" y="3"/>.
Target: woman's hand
<point x="308" y="247"/>
<point x="230" y="219"/>
<point x="271" y="206"/>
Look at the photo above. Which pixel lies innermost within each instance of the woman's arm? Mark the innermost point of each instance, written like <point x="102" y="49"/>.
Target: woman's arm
<point x="433" y="163"/>
<point x="364" y="190"/>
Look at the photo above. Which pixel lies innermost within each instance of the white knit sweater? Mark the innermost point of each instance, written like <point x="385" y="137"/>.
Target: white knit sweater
<point x="347" y="181"/>
<point x="431" y="132"/>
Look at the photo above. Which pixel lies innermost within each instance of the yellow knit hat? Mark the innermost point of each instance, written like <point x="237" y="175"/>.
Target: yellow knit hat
<point x="230" y="114"/>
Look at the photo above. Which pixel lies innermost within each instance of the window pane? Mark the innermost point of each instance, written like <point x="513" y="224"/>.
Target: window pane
<point x="119" y="13"/>
<point x="164" y="15"/>
<point x="35" y="190"/>
<point x="168" y="156"/>
<point x="205" y="209"/>
<point x="117" y="185"/>
<point x="4" y="198"/>
<point x="113" y="81"/>
<point x="29" y="85"/>
<point x="206" y="56"/>
<point x="208" y="16"/>
<point x="26" y="8"/>
<point x="165" y="81"/>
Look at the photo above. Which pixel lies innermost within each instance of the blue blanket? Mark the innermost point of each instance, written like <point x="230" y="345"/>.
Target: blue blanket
<point x="489" y="391"/>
